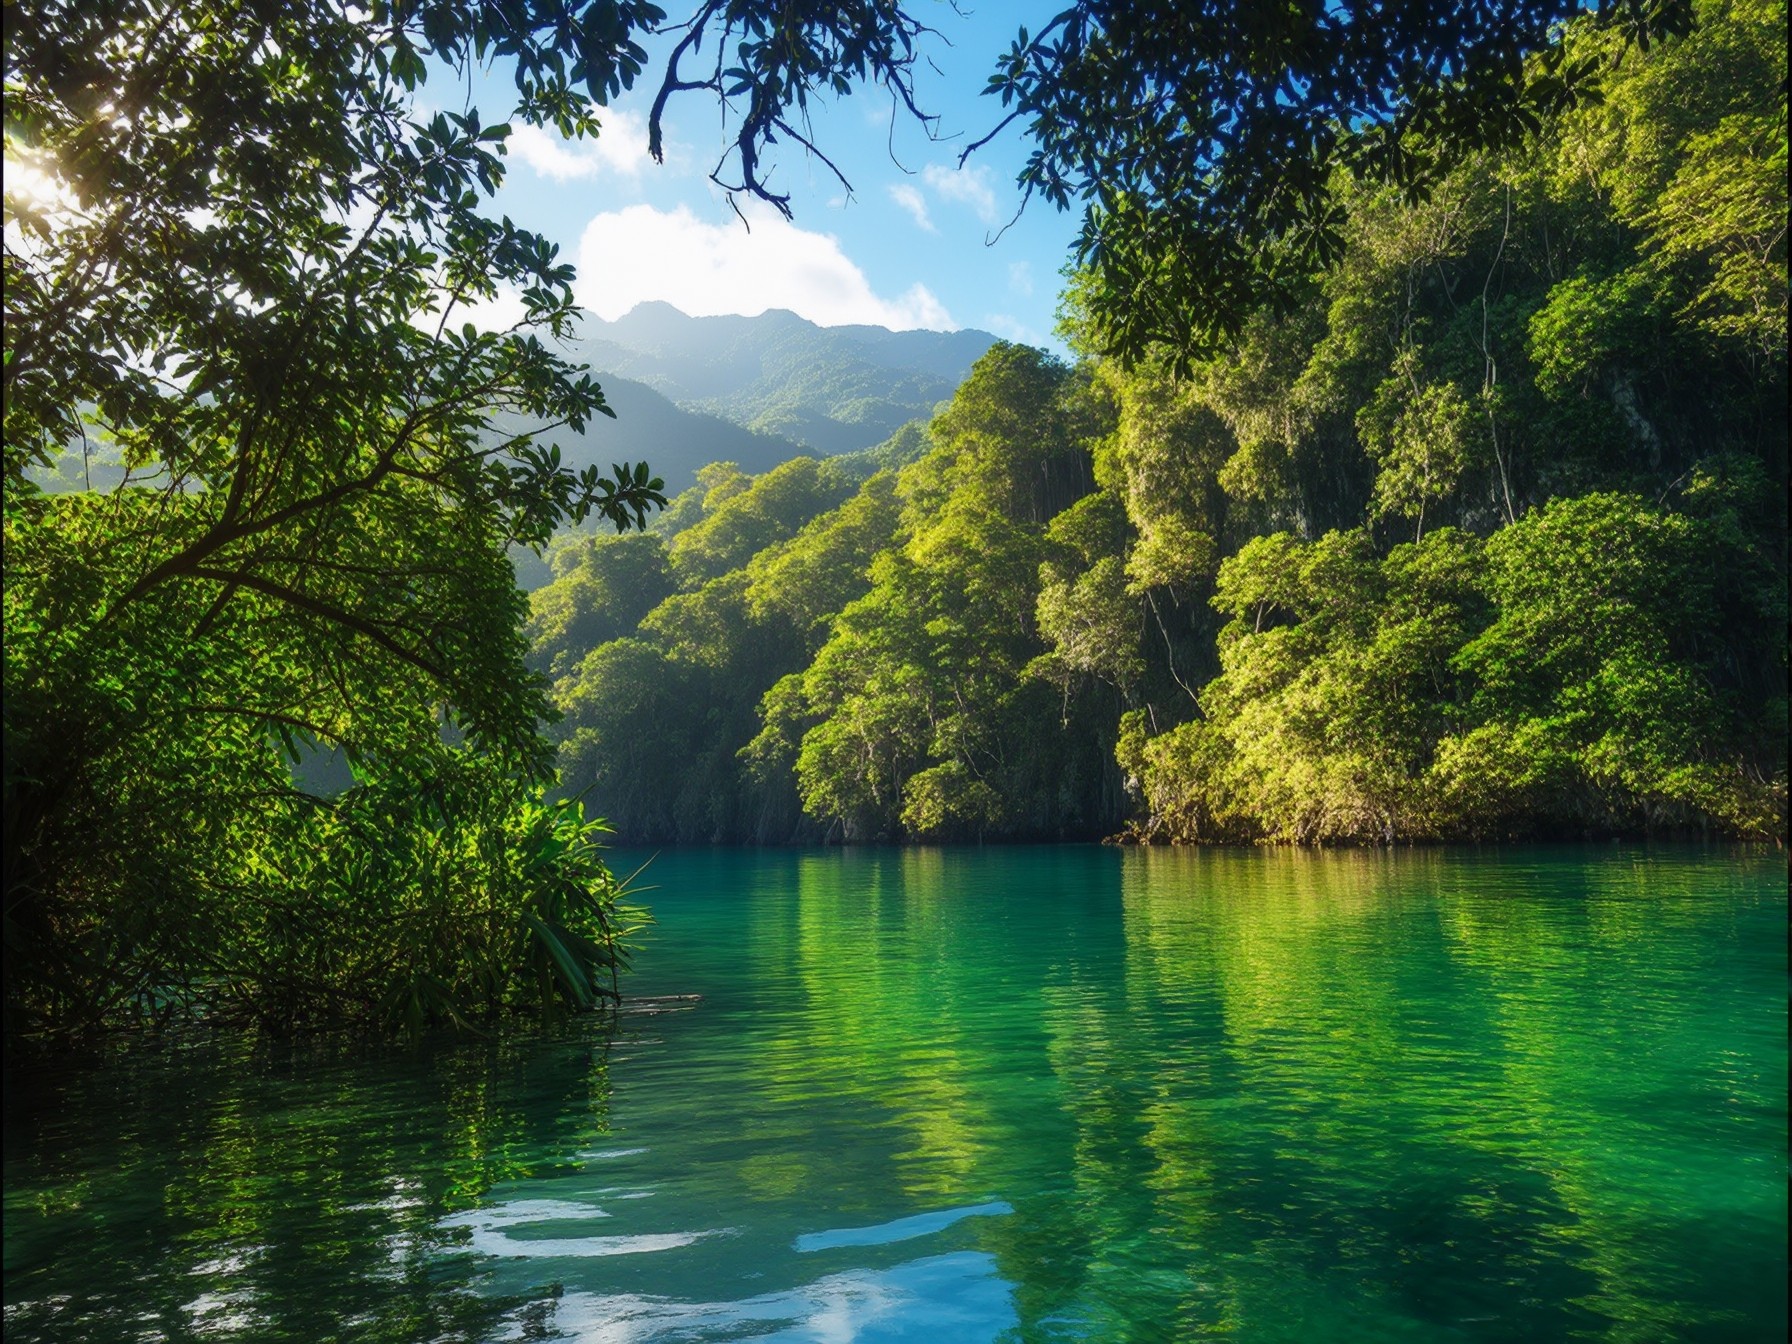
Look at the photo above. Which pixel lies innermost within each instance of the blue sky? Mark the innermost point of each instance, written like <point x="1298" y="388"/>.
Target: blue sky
<point x="914" y="244"/>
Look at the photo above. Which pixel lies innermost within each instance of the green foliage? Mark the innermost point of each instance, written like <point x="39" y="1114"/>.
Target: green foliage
<point x="1091" y="623"/>
<point x="602" y="588"/>
<point x="167" y="856"/>
<point x="1479" y="533"/>
<point x="1611" y="659"/>
<point x="918" y="712"/>
<point x="1576" y="670"/>
<point x="945" y="802"/>
<point x="241" y="259"/>
<point x="1517" y="357"/>
<point x="742" y="517"/>
<point x="877" y="644"/>
<point x="1423" y="438"/>
<point x="655" y="722"/>
<point x="1334" y="680"/>
<point x="309" y="546"/>
<point x="823" y="567"/>
<point x="452" y="897"/>
<point x="1209" y="146"/>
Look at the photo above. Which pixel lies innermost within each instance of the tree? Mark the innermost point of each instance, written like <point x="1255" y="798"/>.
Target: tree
<point x="1606" y="686"/>
<point x="1565" y="385"/>
<point x="237" y="267"/>
<point x="913" y="717"/>
<point x="602" y="588"/>
<point x="1206" y="141"/>
<point x="233" y="264"/>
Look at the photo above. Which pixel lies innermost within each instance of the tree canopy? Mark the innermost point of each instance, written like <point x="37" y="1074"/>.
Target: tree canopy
<point x="1423" y="548"/>
<point x="1479" y="533"/>
<point x="240" y="272"/>
<point x="1207" y="143"/>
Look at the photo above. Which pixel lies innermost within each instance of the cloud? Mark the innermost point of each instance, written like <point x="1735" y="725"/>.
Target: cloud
<point x="639" y="253"/>
<point x="621" y="148"/>
<point x="499" y="313"/>
<point x="911" y="200"/>
<point x="1012" y="329"/>
<point x="968" y="186"/>
<point x="1020" y="278"/>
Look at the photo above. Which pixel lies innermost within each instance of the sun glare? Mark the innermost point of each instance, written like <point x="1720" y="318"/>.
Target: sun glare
<point x="29" y="186"/>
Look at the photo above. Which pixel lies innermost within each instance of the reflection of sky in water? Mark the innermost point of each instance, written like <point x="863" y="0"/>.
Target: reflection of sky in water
<point x="951" y="1299"/>
<point x="1277" y="1098"/>
<point x="901" y="1229"/>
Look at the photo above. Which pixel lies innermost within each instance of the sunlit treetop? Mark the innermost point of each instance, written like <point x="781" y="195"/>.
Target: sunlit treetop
<point x="1203" y="139"/>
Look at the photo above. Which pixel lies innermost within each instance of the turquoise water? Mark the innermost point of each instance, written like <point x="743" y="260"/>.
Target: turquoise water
<point x="1003" y="1094"/>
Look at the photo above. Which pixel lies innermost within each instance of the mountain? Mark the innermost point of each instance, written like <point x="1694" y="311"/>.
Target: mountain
<point x="756" y="391"/>
<point x="688" y="391"/>
<point x="671" y="439"/>
<point x="828" y="389"/>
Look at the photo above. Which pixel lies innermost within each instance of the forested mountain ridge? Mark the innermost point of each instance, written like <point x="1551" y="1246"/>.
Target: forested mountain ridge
<point x="647" y="426"/>
<point x="1485" y="536"/>
<point x="675" y="439"/>
<point x="829" y="389"/>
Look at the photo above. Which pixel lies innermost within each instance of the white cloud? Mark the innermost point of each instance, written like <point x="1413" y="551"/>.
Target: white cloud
<point x="1011" y="329"/>
<point x="1020" y="277"/>
<point x="639" y="253"/>
<point x="911" y="200"/>
<point x="499" y="313"/>
<point x="969" y="186"/>
<point x="621" y="148"/>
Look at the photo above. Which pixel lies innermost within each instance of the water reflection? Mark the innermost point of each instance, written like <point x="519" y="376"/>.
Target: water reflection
<point x="899" y="1229"/>
<point x="228" y="1190"/>
<point x="1030" y="1095"/>
<point x="958" y="1298"/>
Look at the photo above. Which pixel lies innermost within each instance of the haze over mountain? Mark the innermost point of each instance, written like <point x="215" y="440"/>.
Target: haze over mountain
<point x="755" y="391"/>
<point x="688" y="391"/>
<point x="825" y="389"/>
<point x="674" y="441"/>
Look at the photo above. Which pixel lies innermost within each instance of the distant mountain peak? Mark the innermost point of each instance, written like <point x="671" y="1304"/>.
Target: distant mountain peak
<point x="827" y="389"/>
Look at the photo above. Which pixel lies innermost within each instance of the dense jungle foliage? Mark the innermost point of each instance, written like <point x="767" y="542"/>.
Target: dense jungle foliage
<point x="239" y="263"/>
<point x="1481" y="534"/>
<point x="1478" y="530"/>
<point x="244" y="277"/>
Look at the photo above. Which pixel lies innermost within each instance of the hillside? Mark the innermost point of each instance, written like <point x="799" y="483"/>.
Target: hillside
<point x="755" y="391"/>
<point x="829" y="389"/>
<point x="1482" y="537"/>
<point x="674" y="440"/>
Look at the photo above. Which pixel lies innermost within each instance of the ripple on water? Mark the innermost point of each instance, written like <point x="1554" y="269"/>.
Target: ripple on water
<point x="956" y="1095"/>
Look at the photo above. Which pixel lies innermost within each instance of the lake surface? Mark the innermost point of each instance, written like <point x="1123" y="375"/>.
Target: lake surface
<point x="1004" y="1094"/>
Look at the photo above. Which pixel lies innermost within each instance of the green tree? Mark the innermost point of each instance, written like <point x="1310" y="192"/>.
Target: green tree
<point x="1606" y="686"/>
<point x="1206" y="142"/>
<point x="740" y="521"/>
<point x="602" y="588"/>
<point x="235" y="262"/>
<point x="656" y="722"/>
<point x="914" y="717"/>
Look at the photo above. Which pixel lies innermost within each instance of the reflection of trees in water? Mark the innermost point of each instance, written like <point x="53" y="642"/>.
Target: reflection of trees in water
<point x="1398" y="1089"/>
<point x="280" y="1192"/>
<point x="1283" y="1095"/>
<point x="1275" y="1091"/>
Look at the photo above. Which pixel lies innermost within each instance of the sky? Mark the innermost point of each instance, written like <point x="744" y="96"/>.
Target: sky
<point x="917" y="242"/>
